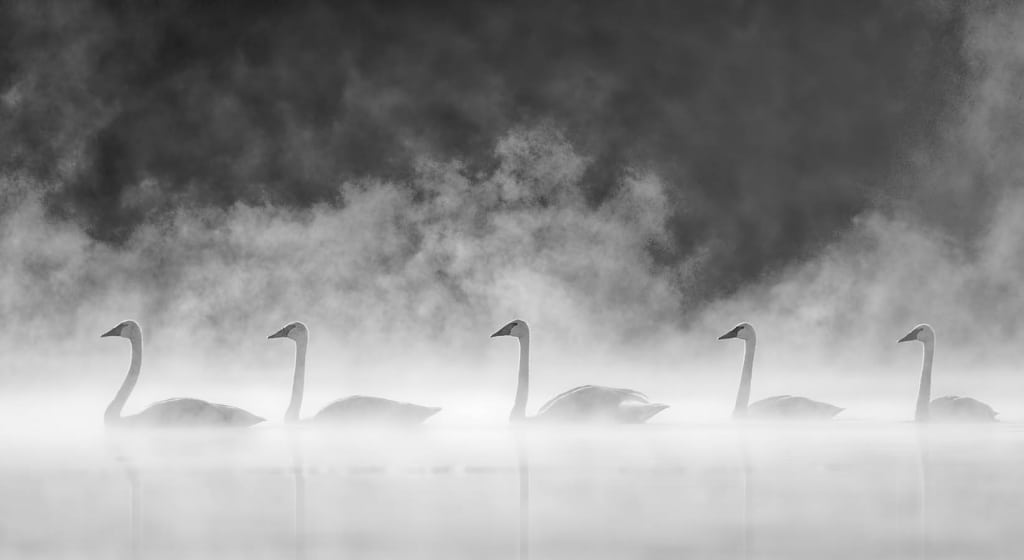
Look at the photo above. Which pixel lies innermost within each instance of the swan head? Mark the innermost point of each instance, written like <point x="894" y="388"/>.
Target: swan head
<point x="517" y="328"/>
<point x="744" y="331"/>
<point x="921" y="333"/>
<point x="125" y="329"/>
<point x="295" y="331"/>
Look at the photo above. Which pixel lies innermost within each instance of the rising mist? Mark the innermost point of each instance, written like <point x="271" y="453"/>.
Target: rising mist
<point x="405" y="180"/>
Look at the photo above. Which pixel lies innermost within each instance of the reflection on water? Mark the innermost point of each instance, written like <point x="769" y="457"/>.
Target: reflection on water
<point x="299" y="474"/>
<point x="828" y="491"/>
<point x="524" y="496"/>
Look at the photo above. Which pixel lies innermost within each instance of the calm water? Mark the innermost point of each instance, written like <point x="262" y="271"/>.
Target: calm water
<point x="714" y="491"/>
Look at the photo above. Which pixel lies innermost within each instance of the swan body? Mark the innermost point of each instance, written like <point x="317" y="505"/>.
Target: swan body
<point x="587" y="403"/>
<point x="963" y="409"/>
<point x="358" y="408"/>
<point x="349" y="410"/>
<point x="623" y="406"/>
<point x="170" y="413"/>
<point x="942" y="409"/>
<point x="782" y="407"/>
<point x="191" y="413"/>
<point x="788" y="406"/>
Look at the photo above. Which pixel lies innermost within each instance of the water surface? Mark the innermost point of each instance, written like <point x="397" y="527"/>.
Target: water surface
<point x="842" y="490"/>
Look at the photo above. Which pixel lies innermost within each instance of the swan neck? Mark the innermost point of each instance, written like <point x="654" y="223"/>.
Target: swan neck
<point x="113" y="412"/>
<point x="523" y="387"/>
<point x="743" y="395"/>
<point x="925" y="391"/>
<point x="298" y="382"/>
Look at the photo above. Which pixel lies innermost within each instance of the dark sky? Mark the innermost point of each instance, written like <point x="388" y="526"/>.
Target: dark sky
<point x="772" y="124"/>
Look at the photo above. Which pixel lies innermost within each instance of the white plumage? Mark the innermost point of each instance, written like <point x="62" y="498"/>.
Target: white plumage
<point x="942" y="409"/>
<point x="170" y="413"/>
<point x="788" y="406"/>
<point x="356" y="409"/>
<point x="587" y="403"/>
<point x="961" y="409"/>
<point x="374" y="410"/>
<point x="595" y="402"/>
<point x="782" y="407"/>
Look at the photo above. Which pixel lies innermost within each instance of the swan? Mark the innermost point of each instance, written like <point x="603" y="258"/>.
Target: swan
<point x="582" y="404"/>
<point x="354" y="409"/>
<point x="170" y="413"/>
<point x="963" y="409"/>
<point x="782" y="407"/>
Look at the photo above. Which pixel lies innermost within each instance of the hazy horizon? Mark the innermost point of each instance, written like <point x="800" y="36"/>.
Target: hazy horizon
<point x="833" y="178"/>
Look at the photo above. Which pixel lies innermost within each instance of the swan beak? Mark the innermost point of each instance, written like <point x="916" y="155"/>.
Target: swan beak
<point x="116" y="331"/>
<point x="730" y="334"/>
<point x="283" y="333"/>
<point x="912" y="335"/>
<point x="504" y="331"/>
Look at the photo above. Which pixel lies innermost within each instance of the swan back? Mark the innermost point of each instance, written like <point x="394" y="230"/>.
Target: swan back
<point x="188" y="413"/>
<point x="597" y="403"/>
<point x="788" y="407"/>
<point x="960" y="409"/>
<point x="359" y="409"/>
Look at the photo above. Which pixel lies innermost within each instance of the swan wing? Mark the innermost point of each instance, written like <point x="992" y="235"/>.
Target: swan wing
<point x="185" y="413"/>
<point x="361" y="409"/>
<point x="962" y="409"/>
<point x="594" y="393"/>
<point x="784" y="407"/>
<point x="770" y="401"/>
<point x="594" y="402"/>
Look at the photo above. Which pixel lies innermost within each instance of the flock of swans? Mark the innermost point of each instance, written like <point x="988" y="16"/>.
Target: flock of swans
<point x="587" y="403"/>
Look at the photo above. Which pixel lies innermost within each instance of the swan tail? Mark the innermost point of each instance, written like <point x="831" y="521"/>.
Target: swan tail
<point x="823" y="410"/>
<point x="833" y="410"/>
<point x="253" y="420"/>
<point x="238" y="417"/>
<point x="421" y="413"/>
<point x="638" y="413"/>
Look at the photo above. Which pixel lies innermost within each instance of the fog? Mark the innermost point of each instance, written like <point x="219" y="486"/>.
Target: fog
<point x="406" y="180"/>
<point x="400" y="292"/>
<point x="626" y="263"/>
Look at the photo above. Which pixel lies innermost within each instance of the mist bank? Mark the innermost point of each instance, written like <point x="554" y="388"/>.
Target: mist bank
<point x="402" y="291"/>
<point x="626" y="262"/>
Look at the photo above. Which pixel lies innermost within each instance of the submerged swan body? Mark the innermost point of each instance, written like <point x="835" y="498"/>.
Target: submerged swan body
<point x="349" y="410"/>
<point x="358" y="408"/>
<point x="788" y="406"/>
<point x="587" y="403"/>
<point x="942" y="409"/>
<point x="782" y="407"/>
<point x="170" y="413"/>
